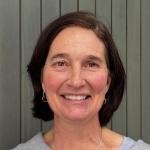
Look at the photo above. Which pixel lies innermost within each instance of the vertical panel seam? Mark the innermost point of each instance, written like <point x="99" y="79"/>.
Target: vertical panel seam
<point x="59" y="7"/>
<point x="141" y="69"/>
<point x="111" y="34"/>
<point x="77" y="5"/>
<point x="41" y="24"/>
<point x="126" y="70"/>
<point x="41" y="16"/>
<point x="111" y="17"/>
<point x="95" y="7"/>
<point x="20" y="45"/>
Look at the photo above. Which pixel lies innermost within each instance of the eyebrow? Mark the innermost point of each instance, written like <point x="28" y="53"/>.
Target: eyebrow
<point x="60" y="55"/>
<point x="96" y="58"/>
<point x="65" y="55"/>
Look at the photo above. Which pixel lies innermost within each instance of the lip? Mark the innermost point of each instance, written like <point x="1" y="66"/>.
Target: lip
<point x="74" y="97"/>
<point x="75" y="94"/>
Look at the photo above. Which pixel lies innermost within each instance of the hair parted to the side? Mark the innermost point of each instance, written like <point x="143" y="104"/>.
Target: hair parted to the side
<point x="85" y="20"/>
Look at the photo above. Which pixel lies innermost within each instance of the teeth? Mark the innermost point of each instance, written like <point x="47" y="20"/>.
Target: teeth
<point x="74" y="97"/>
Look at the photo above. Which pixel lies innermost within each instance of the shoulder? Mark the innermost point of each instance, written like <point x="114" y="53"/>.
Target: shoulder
<point x="130" y="144"/>
<point x="140" y="145"/>
<point x="127" y="143"/>
<point x="36" y="143"/>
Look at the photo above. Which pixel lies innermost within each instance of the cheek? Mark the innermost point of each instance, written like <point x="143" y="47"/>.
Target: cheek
<point x="52" y="82"/>
<point x="99" y="82"/>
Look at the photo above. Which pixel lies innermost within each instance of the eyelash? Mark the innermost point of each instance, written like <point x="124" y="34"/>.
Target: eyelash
<point x="89" y="64"/>
<point x="93" y="64"/>
<point x="60" y="63"/>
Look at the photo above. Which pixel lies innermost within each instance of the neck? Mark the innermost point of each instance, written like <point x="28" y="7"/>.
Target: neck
<point x="76" y="135"/>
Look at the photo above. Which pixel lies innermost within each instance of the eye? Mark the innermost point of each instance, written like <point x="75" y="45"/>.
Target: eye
<point x="92" y="64"/>
<point x="60" y="63"/>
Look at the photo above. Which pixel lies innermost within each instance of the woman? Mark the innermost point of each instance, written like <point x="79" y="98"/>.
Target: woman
<point x="78" y="81"/>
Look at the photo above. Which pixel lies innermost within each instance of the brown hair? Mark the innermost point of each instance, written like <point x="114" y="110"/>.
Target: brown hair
<point x="86" y="20"/>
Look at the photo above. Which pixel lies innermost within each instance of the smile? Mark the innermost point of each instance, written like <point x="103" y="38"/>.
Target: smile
<point x="75" y="97"/>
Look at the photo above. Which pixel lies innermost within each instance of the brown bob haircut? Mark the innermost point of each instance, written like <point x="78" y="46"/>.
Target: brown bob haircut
<point x="86" y="20"/>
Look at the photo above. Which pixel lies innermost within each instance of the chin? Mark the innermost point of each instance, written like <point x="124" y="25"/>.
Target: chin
<point x="78" y="116"/>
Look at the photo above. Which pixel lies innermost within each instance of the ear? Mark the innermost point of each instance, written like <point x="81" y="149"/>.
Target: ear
<point x="42" y="82"/>
<point x="109" y="78"/>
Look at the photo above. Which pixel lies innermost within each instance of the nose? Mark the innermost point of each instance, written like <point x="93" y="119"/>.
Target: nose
<point x="76" y="78"/>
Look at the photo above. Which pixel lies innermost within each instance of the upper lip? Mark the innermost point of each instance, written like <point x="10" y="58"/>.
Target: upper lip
<point x="76" y="94"/>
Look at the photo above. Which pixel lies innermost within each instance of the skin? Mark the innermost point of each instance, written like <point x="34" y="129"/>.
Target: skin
<point x="76" y="66"/>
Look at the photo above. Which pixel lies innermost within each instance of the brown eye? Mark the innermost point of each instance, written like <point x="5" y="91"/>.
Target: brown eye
<point x="92" y="65"/>
<point x="60" y="63"/>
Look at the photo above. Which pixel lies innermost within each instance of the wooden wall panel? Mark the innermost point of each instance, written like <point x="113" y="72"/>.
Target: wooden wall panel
<point x="50" y="11"/>
<point x="21" y="22"/>
<point x="133" y="69"/>
<point x="119" y="35"/>
<point x="88" y="5"/>
<point x="68" y="6"/>
<point x="30" y="29"/>
<point x="103" y="13"/>
<point x="9" y="74"/>
<point x="145" y="69"/>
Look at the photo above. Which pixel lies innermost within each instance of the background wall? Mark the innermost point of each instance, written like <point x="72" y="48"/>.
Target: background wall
<point x="21" y="22"/>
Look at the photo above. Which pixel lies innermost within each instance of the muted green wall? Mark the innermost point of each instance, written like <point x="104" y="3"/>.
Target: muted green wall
<point x="21" y="22"/>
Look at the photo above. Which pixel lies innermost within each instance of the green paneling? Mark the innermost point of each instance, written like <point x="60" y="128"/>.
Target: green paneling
<point x="145" y="69"/>
<point x="133" y="69"/>
<point x="9" y="74"/>
<point x="50" y="11"/>
<point x="88" y="5"/>
<point x="30" y="29"/>
<point x="68" y="6"/>
<point x="119" y="35"/>
<point x="103" y="13"/>
<point x="21" y="22"/>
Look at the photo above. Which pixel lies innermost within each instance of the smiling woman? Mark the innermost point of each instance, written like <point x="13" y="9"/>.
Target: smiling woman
<point x="76" y="69"/>
<point x="70" y="75"/>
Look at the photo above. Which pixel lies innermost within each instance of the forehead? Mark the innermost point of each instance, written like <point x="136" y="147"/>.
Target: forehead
<point x="77" y="33"/>
<point x="76" y="39"/>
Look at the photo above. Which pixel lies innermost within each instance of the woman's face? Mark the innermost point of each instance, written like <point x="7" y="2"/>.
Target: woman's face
<point x="75" y="76"/>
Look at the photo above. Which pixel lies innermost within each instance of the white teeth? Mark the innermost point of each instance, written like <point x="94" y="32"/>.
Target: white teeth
<point x="74" y="97"/>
